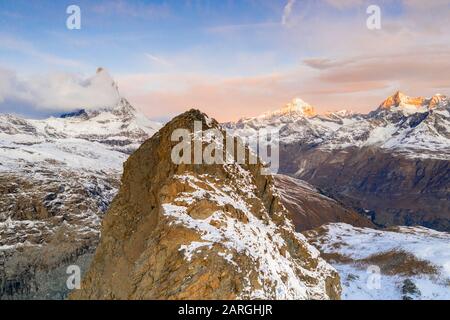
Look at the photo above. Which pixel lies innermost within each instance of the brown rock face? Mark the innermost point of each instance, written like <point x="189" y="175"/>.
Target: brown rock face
<point x="197" y="231"/>
<point x="309" y="208"/>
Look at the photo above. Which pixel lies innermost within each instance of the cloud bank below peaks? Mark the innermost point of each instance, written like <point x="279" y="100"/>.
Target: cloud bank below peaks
<point x="56" y="92"/>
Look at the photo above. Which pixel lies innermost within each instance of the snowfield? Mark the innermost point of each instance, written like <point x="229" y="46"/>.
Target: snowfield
<point x="404" y="262"/>
<point x="82" y="141"/>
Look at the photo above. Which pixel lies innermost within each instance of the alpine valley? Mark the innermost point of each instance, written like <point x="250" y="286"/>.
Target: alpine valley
<point x="355" y="193"/>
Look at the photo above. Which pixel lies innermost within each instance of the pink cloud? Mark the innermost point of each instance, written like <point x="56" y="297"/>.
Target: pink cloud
<point x="349" y="66"/>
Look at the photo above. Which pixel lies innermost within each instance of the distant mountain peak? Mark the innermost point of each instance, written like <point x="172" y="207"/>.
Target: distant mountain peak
<point x="102" y="78"/>
<point x="410" y="105"/>
<point x="399" y="99"/>
<point x="340" y="113"/>
<point x="296" y="107"/>
<point x="437" y="100"/>
<point x="109" y="93"/>
<point x="124" y="108"/>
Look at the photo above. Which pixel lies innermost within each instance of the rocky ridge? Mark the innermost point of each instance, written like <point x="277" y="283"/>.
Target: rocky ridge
<point x="191" y="231"/>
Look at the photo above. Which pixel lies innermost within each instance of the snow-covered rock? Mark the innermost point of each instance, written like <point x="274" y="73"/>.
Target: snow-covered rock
<point x="399" y="263"/>
<point x="187" y="231"/>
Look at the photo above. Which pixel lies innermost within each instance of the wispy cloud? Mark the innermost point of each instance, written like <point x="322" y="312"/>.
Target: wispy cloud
<point x="287" y="11"/>
<point x="418" y="68"/>
<point x="158" y="60"/>
<point x="242" y="27"/>
<point x="11" y="14"/>
<point x="324" y="63"/>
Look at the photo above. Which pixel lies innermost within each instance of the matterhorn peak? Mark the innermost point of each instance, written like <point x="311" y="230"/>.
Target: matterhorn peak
<point x="106" y="93"/>
<point x="103" y="76"/>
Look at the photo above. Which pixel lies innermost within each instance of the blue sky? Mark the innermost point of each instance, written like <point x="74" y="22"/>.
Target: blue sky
<point x="230" y="58"/>
<point x="119" y="34"/>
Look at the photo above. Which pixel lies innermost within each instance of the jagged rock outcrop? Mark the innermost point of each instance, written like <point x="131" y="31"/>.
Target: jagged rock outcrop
<point x="209" y="231"/>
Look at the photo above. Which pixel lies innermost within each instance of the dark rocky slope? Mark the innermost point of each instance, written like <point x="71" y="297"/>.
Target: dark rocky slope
<point x="397" y="189"/>
<point x="309" y="208"/>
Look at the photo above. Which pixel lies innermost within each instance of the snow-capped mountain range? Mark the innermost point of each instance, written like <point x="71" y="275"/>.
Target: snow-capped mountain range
<point x="59" y="175"/>
<point x="80" y="139"/>
<point x="391" y="163"/>
<point x="88" y="145"/>
<point x="57" y="178"/>
<point x="416" y="127"/>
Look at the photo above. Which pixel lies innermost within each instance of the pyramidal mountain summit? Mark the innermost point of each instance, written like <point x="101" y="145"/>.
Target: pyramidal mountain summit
<point x="214" y="231"/>
<point x="69" y="139"/>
